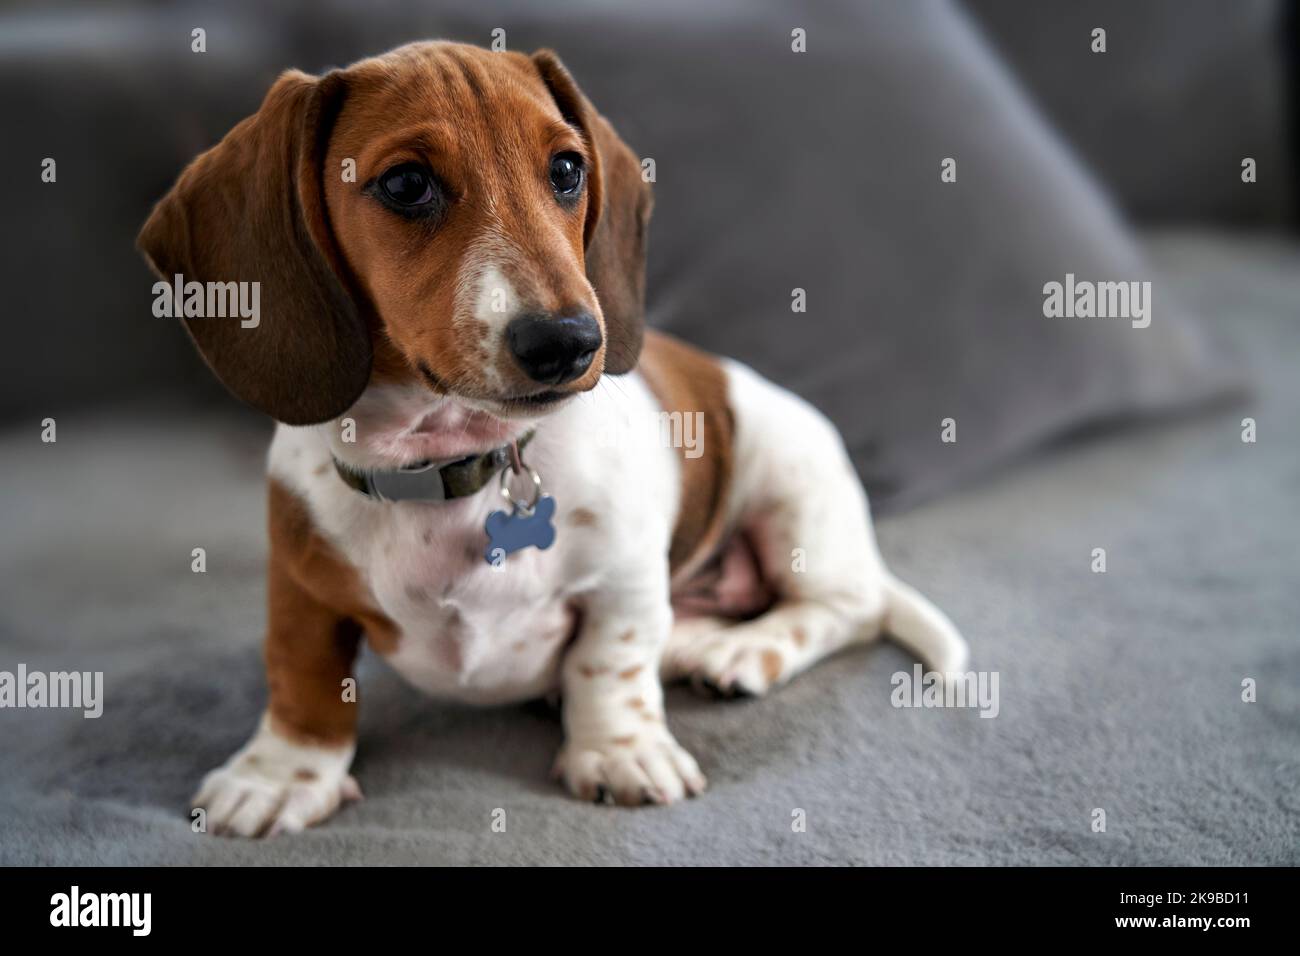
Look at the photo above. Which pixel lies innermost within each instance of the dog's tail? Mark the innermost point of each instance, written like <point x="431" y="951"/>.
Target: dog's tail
<point x="923" y="629"/>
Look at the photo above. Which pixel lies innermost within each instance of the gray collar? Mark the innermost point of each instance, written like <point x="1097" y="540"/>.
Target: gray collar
<point x="431" y="480"/>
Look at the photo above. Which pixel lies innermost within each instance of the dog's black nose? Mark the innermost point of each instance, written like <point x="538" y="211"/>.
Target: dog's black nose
<point x="554" y="350"/>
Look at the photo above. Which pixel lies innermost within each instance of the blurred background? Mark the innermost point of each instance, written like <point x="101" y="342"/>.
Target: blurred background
<point x="781" y="165"/>
<point x="776" y="170"/>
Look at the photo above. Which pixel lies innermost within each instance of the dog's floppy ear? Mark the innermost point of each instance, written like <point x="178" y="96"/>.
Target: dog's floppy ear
<point x="618" y="211"/>
<point x="252" y="209"/>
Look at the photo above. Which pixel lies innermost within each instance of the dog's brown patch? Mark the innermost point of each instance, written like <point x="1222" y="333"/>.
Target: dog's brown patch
<point x="318" y="608"/>
<point x="772" y="664"/>
<point x="631" y="672"/>
<point x="687" y="381"/>
<point x="583" y="518"/>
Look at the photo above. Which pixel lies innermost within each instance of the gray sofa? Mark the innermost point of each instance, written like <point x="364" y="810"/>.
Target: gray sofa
<point x="1120" y="691"/>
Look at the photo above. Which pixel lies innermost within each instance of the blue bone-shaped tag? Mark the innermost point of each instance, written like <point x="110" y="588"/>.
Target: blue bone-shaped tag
<point x="508" y="533"/>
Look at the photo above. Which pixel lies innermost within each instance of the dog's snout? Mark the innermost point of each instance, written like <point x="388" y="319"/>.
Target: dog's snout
<point x="554" y="350"/>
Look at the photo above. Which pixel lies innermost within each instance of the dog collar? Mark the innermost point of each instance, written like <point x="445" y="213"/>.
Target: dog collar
<point x="430" y="480"/>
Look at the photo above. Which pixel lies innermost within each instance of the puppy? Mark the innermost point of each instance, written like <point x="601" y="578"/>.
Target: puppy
<point x="450" y="248"/>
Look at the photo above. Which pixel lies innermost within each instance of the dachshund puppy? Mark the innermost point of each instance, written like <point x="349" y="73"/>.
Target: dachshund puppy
<point x="449" y="250"/>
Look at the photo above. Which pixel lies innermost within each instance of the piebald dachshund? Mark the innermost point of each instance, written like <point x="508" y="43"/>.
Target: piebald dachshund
<point x="450" y="246"/>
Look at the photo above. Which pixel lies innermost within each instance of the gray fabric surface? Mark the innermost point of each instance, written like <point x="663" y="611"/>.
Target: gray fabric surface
<point x="1185" y="90"/>
<point x="775" y="171"/>
<point x="1118" y="691"/>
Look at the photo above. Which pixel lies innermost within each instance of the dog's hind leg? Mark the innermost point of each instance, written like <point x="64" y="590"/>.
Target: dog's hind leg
<point x="751" y="657"/>
<point x="799" y="509"/>
<point x="748" y="658"/>
<point x="800" y="504"/>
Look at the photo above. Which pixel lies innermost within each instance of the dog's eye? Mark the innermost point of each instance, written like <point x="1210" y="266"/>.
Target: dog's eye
<point x="566" y="173"/>
<point x="408" y="186"/>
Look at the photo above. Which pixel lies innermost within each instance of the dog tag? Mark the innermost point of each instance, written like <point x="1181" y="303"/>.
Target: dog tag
<point x="508" y="533"/>
<point x="524" y="525"/>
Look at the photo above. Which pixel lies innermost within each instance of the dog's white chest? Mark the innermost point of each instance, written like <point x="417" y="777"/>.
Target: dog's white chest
<point x="469" y="630"/>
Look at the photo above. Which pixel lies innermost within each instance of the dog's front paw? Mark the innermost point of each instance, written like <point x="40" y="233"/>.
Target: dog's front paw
<point x="274" y="785"/>
<point x="637" y="769"/>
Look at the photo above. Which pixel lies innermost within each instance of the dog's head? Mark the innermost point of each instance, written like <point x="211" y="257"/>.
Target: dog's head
<point x="441" y="213"/>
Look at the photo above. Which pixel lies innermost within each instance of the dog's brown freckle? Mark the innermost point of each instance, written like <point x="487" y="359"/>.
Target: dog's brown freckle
<point x="417" y="594"/>
<point x="636" y="703"/>
<point x="771" y="665"/>
<point x="321" y="468"/>
<point x="627" y="741"/>
<point x="582" y="518"/>
<point x="586" y="670"/>
<point x="800" y="637"/>
<point x="427" y="537"/>
<point x="519" y="646"/>
<point x="252" y="760"/>
<point x="627" y="637"/>
<point x="630" y="672"/>
<point x="650" y="718"/>
<point x="304" y="774"/>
